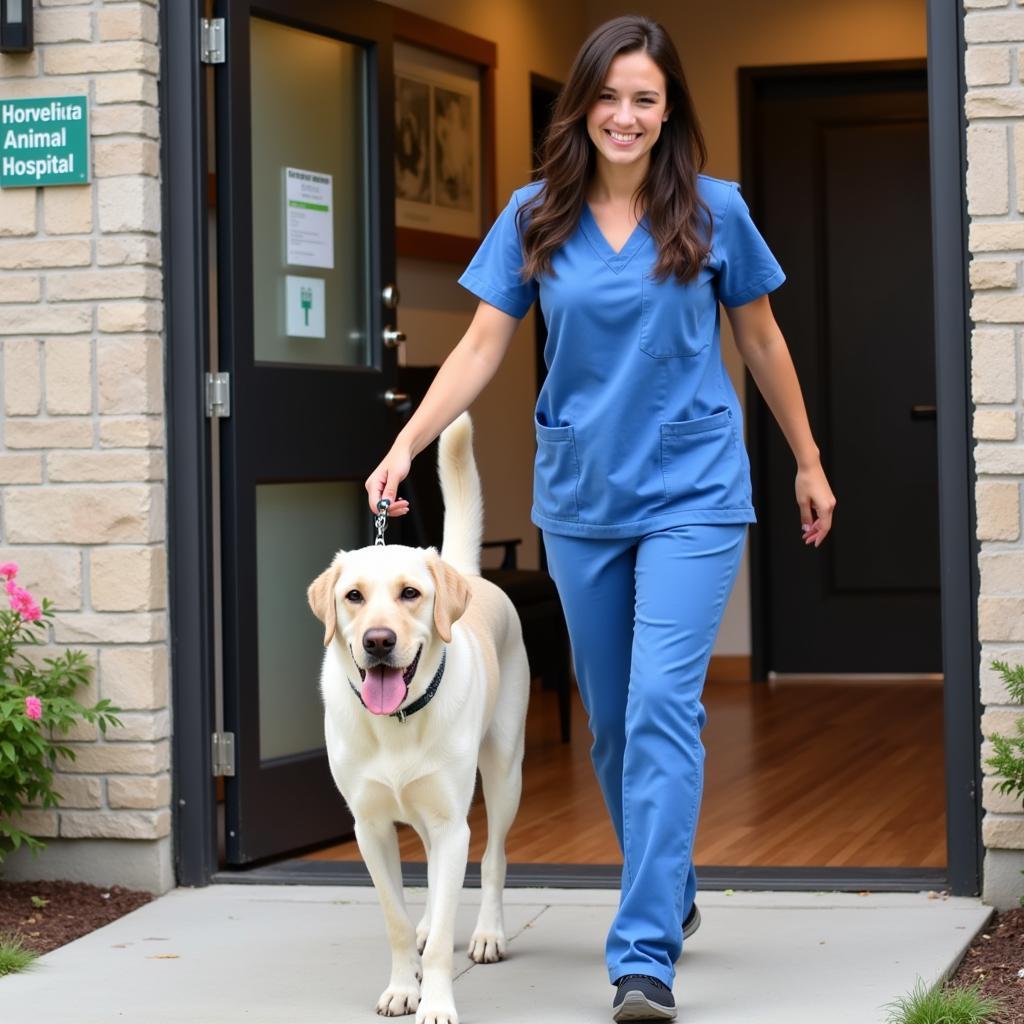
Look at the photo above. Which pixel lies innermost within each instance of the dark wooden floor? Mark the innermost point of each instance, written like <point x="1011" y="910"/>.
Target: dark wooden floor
<point x="798" y="772"/>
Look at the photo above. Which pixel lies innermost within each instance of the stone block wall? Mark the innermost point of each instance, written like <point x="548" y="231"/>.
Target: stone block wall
<point x="82" y="502"/>
<point x="994" y="66"/>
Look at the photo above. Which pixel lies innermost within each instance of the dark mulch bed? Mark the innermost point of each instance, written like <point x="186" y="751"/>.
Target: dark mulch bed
<point x="73" y="909"/>
<point x="994" y="958"/>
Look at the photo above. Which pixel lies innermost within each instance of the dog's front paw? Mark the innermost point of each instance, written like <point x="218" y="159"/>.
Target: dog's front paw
<point x="437" y="1013"/>
<point x="487" y="946"/>
<point x="399" y="999"/>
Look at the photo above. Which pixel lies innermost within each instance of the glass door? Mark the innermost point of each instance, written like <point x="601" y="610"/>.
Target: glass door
<point x="306" y="251"/>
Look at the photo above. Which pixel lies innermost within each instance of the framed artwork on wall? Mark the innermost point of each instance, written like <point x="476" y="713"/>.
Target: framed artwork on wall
<point x="444" y="139"/>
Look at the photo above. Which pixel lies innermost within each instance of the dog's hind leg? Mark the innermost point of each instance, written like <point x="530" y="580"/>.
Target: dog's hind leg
<point x="378" y="843"/>
<point x="501" y="774"/>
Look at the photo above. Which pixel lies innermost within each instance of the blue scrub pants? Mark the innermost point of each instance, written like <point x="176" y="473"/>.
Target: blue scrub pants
<point x="643" y="614"/>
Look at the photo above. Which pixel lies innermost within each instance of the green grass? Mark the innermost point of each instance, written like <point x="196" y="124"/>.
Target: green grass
<point x="944" y="1006"/>
<point x="14" y="956"/>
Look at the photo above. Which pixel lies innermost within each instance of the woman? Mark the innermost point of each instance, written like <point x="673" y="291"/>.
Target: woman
<point x="642" y="486"/>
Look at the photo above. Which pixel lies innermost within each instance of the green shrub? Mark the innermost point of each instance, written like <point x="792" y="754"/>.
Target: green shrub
<point x="14" y="956"/>
<point x="36" y="702"/>
<point x="1008" y="759"/>
<point x="944" y="1006"/>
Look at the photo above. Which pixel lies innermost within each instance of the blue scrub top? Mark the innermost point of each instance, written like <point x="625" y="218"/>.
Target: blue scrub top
<point x="638" y="425"/>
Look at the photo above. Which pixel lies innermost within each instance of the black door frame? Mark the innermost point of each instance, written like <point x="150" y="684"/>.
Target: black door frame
<point x="957" y="519"/>
<point x="183" y="156"/>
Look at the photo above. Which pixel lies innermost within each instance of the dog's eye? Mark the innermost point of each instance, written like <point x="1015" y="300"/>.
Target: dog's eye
<point x="354" y="596"/>
<point x="410" y="594"/>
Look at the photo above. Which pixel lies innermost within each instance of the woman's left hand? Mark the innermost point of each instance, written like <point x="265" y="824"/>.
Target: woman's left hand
<point x="816" y="501"/>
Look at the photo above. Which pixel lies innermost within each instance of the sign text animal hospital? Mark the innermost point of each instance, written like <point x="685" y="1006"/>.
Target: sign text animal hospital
<point x="44" y="141"/>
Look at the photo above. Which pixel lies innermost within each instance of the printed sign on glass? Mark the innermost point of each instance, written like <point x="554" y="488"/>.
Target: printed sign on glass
<point x="305" y="307"/>
<point x="309" y="218"/>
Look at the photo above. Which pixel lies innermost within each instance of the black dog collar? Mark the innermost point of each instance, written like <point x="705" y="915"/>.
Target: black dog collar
<point x="403" y="713"/>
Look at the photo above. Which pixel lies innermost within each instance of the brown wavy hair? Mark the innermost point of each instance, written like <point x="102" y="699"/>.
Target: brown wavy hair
<point x="680" y="220"/>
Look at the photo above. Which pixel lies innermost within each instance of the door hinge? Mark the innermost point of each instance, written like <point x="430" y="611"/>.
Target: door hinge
<point x="218" y="395"/>
<point x="223" y="753"/>
<point x="211" y="41"/>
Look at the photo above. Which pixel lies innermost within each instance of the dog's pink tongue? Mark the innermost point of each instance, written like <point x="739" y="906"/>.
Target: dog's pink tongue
<point x="383" y="689"/>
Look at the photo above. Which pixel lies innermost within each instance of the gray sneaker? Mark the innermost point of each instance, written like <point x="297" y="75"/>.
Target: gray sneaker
<point x="641" y="997"/>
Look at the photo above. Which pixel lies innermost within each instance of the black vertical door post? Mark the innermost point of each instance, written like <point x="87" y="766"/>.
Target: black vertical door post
<point x="183" y="157"/>
<point x="957" y="520"/>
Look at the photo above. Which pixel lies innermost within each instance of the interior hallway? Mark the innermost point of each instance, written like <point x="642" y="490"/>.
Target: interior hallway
<point x="798" y="772"/>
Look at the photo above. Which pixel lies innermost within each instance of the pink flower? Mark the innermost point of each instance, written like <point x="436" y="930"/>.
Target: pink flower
<point x="31" y="613"/>
<point x="9" y="569"/>
<point x="23" y="603"/>
<point x="33" y="707"/>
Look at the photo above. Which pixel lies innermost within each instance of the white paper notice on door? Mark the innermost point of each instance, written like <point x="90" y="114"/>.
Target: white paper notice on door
<point x="309" y="216"/>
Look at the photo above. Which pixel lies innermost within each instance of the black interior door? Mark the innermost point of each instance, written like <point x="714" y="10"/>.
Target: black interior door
<point x="306" y="251"/>
<point x="836" y="163"/>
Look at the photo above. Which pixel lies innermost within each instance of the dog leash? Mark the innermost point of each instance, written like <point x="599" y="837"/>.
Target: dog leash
<point x="381" y="521"/>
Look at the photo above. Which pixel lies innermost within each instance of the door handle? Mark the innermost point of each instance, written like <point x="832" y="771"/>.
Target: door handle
<point x="393" y="338"/>
<point x="922" y="412"/>
<point x="396" y="399"/>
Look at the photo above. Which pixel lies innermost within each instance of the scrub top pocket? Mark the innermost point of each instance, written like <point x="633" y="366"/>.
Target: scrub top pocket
<point x="677" y="319"/>
<point x="701" y="464"/>
<point x="556" y="472"/>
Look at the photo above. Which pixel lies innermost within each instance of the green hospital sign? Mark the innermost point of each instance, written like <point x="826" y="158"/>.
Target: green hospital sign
<point x="44" y="142"/>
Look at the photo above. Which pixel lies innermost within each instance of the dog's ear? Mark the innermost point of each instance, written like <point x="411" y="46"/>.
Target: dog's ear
<point x="451" y="595"/>
<point x="321" y="600"/>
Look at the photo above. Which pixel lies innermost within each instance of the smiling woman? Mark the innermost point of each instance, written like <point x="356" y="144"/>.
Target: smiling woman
<point x="646" y="149"/>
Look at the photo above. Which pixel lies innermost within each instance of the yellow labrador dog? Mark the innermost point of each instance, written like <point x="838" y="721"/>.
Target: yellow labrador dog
<point x="424" y="679"/>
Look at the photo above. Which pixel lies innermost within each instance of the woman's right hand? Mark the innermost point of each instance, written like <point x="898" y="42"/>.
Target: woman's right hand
<point x="384" y="480"/>
<point x="463" y="375"/>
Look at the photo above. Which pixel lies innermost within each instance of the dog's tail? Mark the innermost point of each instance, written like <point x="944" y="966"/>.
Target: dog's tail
<point x="463" y="498"/>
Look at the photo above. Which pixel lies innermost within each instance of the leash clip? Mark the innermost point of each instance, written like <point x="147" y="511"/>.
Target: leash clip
<point x="381" y="521"/>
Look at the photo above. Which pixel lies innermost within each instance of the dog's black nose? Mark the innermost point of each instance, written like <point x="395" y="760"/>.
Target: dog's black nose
<point x="379" y="641"/>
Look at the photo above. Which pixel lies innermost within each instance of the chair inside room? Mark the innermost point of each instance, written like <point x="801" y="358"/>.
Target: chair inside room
<point x="532" y="591"/>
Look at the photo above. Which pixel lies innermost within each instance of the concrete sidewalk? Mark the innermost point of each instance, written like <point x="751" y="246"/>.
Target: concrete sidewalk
<point x="319" y="955"/>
